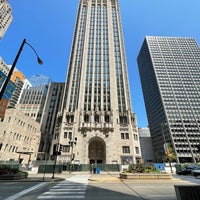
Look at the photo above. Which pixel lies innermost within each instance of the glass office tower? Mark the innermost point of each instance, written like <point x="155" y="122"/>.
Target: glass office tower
<point x="39" y="79"/>
<point x="96" y="124"/>
<point x="169" y="70"/>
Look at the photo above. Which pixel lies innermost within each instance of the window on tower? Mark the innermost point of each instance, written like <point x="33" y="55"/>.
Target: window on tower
<point x="123" y="120"/>
<point x="86" y="118"/>
<point x="96" y="118"/>
<point x="107" y="118"/>
<point x="126" y="149"/>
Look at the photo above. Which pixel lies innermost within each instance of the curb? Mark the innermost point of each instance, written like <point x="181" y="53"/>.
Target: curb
<point x="104" y="179"/>
<point x="34" y="180"/>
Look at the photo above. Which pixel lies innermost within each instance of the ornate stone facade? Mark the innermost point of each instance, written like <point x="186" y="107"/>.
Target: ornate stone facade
<point x="96" y="124"/>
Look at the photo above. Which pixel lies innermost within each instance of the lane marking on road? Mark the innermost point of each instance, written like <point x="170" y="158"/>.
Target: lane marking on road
<point x="15" y="196"/>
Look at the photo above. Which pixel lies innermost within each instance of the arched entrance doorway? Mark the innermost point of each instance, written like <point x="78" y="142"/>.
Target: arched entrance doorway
<point x="97" y="151"/>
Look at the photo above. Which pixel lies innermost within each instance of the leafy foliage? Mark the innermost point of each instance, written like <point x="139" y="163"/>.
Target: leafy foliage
<point x="4" y="169"/>
<point x="142" y="168"/>
<point x="169" y="154"/>
<point x="7" y="170"/>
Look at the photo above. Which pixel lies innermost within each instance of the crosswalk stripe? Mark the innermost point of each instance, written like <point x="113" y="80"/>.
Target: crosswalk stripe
<point x="71" y="188"/>
<point x="67" y="189"/>
<point x="62" y="197"/>
<point x="72" y="184"/>
<point x="80" y="187"/>
<point x="58" y="192"/>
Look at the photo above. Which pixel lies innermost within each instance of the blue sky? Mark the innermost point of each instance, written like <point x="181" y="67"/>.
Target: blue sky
<point x="48" y="26"/>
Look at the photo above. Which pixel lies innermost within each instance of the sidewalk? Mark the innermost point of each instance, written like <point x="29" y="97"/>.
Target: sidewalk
<point x="105" y="177"/>
<point x="102" y="177"/>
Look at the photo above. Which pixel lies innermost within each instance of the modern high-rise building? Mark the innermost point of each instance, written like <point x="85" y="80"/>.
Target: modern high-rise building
<point x="32" y="101"/>
<point x="169" y="70"/>
<point x="96" y="124"/>
<point x="18" y="79"/>
<point x="26" y="85"/>
<point x="5" y="16"/>
<point x="39" y="79"/>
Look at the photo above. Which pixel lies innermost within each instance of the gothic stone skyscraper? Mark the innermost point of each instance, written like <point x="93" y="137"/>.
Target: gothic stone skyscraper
<point x="96" y="107"/>
<point x="169" y="71"/>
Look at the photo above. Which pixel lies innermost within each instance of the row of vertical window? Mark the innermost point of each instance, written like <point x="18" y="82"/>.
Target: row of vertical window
<point x="126" y="149"/>
<point x="76" y="76"/>
<point x="120" y="87"/>
<point x="10" y="149"/>
<point x="97" y="78"/>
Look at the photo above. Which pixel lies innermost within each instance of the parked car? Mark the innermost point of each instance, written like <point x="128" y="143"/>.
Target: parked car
<point x="196" y="172"/>
<point x="187" y="170"/>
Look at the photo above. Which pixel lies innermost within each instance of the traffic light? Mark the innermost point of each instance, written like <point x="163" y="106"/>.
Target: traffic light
<point x="61" y="147"/>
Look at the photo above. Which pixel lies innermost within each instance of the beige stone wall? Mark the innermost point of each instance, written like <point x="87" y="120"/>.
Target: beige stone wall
<point x="30" y="110"/>
<point x="18" y="133"/>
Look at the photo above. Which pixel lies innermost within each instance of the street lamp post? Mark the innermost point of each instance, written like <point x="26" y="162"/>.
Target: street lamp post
<point x="4" y="85"/>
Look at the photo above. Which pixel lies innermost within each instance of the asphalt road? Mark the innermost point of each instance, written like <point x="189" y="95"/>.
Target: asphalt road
<point x="22" y="190"/>
<point x="78" y="187"/>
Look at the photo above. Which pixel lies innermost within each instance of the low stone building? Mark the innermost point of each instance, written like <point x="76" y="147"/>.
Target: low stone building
<point x="19" y="137"/>
<point x="146" y="145"/>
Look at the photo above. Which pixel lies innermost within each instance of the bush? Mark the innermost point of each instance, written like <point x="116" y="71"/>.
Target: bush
<point x="142" y="168"/>
<point x="4" y="169"/>
<point x="25" y="173"/>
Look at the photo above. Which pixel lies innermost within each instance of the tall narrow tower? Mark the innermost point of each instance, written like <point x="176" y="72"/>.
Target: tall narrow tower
<point x="97" y="124"/>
